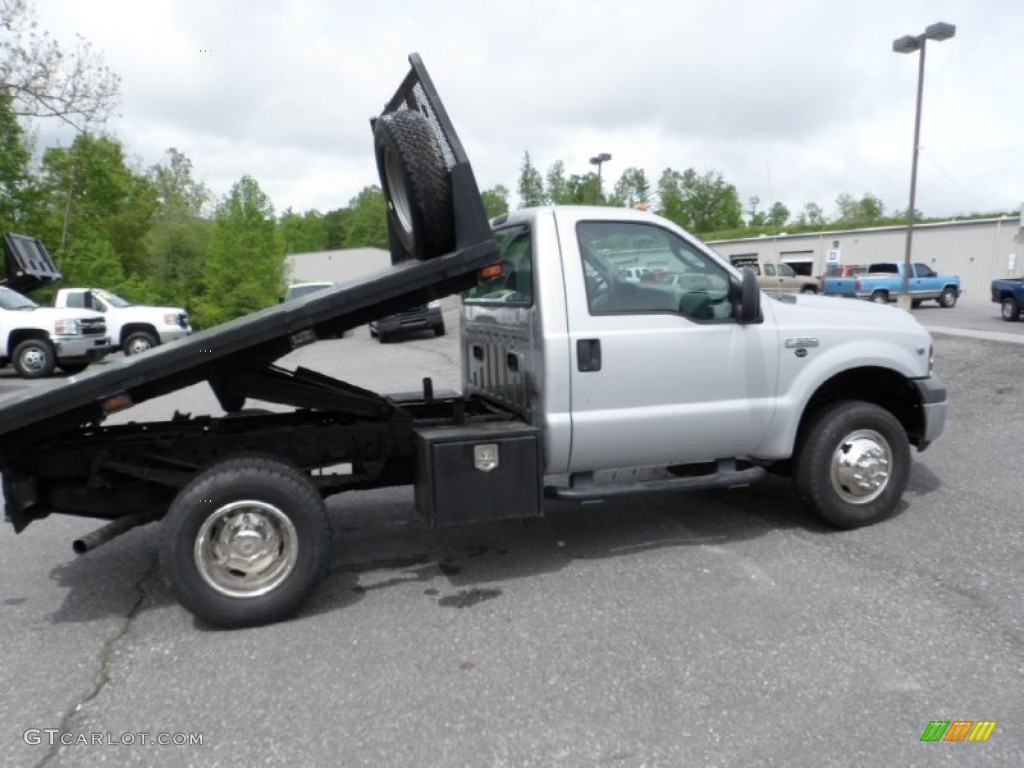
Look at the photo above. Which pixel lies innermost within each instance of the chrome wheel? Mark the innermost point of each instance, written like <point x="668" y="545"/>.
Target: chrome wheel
<point x="139" y="344"/>
<point x="861" y="466"/>
<point x="35" y="359"/>
<point x="246" y="549"/>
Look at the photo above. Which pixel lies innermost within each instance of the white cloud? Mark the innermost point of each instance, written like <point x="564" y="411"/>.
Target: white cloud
<point x="797" y="102"/>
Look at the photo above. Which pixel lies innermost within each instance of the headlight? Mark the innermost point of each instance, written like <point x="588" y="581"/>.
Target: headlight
<point x="171" y="318"/>
<point x="67" y="327"/>
<point x="434" y="304"/>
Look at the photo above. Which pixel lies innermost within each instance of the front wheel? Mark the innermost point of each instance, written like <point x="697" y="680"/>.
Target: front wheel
<point x="34" y="358"/>
<point x="1009" y="309"/>
<point x="245" y="542"/>
<point x="139" y="341"/>
<point x="948" y="298"/>
<point x="853" y="464"/>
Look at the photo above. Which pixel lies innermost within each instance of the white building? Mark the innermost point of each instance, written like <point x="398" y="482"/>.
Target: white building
<point x="335" y="266"/>
<point x="978" y="251"/>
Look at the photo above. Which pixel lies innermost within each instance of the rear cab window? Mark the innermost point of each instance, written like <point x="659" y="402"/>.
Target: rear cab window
<point x="514" y="286"/>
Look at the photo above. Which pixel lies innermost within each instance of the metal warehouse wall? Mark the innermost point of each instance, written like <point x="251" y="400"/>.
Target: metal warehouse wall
<point x="978" y="251"/>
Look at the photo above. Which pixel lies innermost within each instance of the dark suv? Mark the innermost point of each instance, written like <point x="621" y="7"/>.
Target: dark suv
<point x="415" y="318"/>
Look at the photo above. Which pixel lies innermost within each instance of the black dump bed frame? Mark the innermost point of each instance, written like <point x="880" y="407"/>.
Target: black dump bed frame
<point x="237" y="358"/>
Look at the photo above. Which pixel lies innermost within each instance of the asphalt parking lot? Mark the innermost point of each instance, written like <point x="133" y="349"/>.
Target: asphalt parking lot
<point x="712" y="629"/>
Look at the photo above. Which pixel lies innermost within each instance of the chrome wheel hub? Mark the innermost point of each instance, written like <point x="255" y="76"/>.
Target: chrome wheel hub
<point x="861" y="467"/>
<point x="34" y="359"/>
<point x="246" y="549"/>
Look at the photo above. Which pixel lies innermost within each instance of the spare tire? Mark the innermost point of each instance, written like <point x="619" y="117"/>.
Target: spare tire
<point x="416" y="182"/>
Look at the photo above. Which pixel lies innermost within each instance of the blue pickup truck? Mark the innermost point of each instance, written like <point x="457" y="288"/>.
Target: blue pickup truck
<point x="883" y="282"/>
<point x="1008" y="293"/>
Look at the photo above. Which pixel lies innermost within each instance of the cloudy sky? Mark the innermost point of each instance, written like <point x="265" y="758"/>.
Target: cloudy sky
<point x="797" y="101"/>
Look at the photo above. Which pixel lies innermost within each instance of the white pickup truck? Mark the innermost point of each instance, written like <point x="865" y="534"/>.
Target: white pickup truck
<point x="37" y="339"/>
<point x="132" y="328"/>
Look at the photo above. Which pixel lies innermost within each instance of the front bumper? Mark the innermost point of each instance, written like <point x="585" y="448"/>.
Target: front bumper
<point x="171" y="332"/>
<point x="934" y="400"/>
<point x="81" y="349"/>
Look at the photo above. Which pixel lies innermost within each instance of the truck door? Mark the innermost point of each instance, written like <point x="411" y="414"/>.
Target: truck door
<point x="661" y="373"/>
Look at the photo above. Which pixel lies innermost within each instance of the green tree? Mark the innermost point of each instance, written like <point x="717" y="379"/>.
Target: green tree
<point x="303" y="233"/>
<point x="811" y="215"/>
<point x="869" y="209"/>
<point x="632" y="189"/>
<point x="581" y="189"/>
<point x="244" y="268"/>
<point x="334" y="228"/>
<point x="495" y="201"/>
<point x="14" y="168"/>
<point x="709" y="203"/>
<point x="179" y="237"/>
<point x="45" y="80"/>
<point x="557" y="184"/>
<point x="778" y="215"/>
<point x="366" y="220"/>
<point x="671" y="204"/>
<point x="755" y="218"/>
<point x="531" y="185"/>
<point x="93" y="194"/>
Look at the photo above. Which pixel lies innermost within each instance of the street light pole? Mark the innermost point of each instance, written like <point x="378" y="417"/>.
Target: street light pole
<point x="908" y="44"/>
<point x="597" y="160"/>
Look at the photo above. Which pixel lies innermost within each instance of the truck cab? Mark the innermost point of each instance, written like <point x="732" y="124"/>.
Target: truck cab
<point x="617" y="373"/>
<point x="781" y="278"/>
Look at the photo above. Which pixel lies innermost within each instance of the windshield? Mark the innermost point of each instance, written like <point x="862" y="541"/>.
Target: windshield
<point x="13" y="300"/>
<point x="113" y="299"/>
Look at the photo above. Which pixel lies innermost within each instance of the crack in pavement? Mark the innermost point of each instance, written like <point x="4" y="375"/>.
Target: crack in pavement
<point x="106" y="657"/>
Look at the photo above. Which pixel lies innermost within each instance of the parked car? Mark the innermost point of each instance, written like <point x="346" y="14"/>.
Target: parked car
<point x="37" y="339"/>
<point x="883" y="282"/>
<point x="780" y="278"/>
<point x="840" y="270"/>
<point x="132" y="328"/>
<point x="1008" y="293"/>
<point x="420" y="317"/>
<point x="298" y="290"/>
<point x="638" y="274"/>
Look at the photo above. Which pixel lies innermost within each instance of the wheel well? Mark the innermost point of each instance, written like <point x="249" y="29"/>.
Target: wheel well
<point x="24" y="334"/>
<point x="131" y="328"/>
<point x="881" y="386"/>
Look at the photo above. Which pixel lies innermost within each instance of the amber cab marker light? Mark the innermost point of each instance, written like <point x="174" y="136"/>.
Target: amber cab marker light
<point x="116" y="403"/>
<point x="491" y="272"/>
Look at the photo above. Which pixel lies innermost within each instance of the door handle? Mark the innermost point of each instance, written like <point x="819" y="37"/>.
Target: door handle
<point x="588" y="355"/>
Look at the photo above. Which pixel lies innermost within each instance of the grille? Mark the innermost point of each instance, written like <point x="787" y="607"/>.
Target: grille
<point x="94" y="326"/>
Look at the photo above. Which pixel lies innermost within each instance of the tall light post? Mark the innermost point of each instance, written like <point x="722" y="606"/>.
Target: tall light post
<point x="598" y="160"/>
<point x="908" y="44"/>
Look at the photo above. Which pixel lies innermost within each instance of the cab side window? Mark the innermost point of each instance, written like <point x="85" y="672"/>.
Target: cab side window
<point x="515" y="284"/>
<point x="675" y="277"/>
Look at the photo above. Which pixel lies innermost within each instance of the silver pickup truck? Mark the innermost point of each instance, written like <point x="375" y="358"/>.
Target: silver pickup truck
<point x="706" y="372"/>
<point x="569" y="368"/>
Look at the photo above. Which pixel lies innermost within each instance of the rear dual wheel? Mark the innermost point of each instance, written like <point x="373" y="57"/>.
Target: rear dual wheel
<point x="246" y="542"/>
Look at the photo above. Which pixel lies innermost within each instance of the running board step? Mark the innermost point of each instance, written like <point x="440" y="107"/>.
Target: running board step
<point x="587" y="491"/>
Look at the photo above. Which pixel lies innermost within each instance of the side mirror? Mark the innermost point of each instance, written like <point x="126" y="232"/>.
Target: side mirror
<point x="748" y="310"/>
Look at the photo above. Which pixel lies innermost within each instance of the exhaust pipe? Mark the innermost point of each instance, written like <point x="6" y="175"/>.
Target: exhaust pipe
<point x="109" y="531"/>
